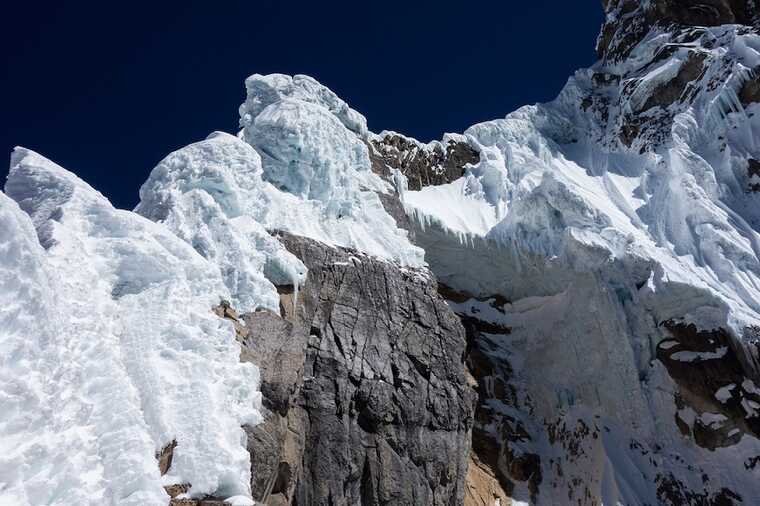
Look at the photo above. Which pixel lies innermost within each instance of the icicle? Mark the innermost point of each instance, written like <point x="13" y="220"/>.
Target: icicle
<point x="294" y="277"/>
<point x="401" y="184"/>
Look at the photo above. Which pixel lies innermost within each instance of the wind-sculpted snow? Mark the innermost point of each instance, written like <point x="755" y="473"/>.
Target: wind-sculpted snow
<point x="263" y="91"/>
<point x="211" y="194"/>
<point x="683" y="208"/>
<point x="123" y="351"/>
<point x="625" y="204"/>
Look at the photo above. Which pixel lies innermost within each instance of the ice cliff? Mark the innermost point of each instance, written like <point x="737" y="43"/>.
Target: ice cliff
<point x="558" y="307"/>
<point x="111" y="352"/>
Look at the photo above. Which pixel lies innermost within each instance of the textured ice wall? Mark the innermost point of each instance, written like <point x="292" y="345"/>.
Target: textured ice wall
<point x="679" y="213"/>
<point x="263" y="91"/>
<point x="210" y="194"/>
<point x="300" y="165"/>
<point x="141" y="360"/>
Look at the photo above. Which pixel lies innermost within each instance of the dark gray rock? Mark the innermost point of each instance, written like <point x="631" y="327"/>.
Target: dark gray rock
<point x="750" y="90"/>
<point x="423" y="165"/>
<point x="699" y="380"/>
<point x="393" y="206"/>
<point x="501" y="445"/>
<point x="632" y="20"/>
<point x="676" y="88"/>
<point x="366" y="386"/>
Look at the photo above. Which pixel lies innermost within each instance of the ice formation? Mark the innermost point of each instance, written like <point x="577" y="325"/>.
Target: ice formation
<point x="317" y="170"/>
<point x="112" y="322"/>
<point x="621" y="208"/>
<point x="562" y="189"/>
<point x="263" y="91"/>
<point x="606" y="241"/>
<point x="299" y="165"/>
<point x="207" y="194"/>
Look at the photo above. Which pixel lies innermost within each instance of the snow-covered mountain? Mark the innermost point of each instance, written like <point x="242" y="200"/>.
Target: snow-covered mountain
<point x="558" y="307"/>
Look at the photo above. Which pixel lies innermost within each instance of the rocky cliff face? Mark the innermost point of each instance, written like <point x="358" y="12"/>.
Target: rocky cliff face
<point x="363" y="375"/>
<point x="629" y="21"/>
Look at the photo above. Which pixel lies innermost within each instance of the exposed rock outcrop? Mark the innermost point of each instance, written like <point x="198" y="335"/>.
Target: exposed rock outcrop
<point x="750" y="90"/>
<point x="422" y="164"/>
<point x="717" y="402"/>
<point x="364" y="379"/>
<point x="501" y="458"/>
<point x="630" y="20"/>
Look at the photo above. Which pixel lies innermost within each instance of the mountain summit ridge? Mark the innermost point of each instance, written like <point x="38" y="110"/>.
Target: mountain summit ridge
<point x="561" y="306"/>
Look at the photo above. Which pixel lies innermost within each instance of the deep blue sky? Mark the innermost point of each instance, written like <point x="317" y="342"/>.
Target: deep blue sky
<point x="107" y="89"/>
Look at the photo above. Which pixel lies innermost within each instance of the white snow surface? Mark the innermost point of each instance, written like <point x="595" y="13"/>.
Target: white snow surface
<point x="111" y="352"/>
<point x="299" y="165"/>
<point x="553" y="195"/>
<point x="724" y="394"/>
<point x="211" y="195"/>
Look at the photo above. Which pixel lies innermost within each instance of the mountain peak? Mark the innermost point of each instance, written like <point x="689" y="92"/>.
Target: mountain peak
<point x="629" y="21"/>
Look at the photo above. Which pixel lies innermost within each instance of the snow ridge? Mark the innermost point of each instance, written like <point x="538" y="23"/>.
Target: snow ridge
<point x="140" y="359"/>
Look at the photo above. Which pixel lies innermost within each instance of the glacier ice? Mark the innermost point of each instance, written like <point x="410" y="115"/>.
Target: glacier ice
<point x="299" y="165"/>
<point x="306" y="151"/>
<point x="205" y="193"/>
<point x="317" y="170"/>
<point x="263" y="91"/>
<point x="125" y="351"/>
